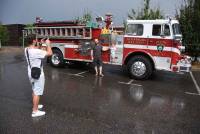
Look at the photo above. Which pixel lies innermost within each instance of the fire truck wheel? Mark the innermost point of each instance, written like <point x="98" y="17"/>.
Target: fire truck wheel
<point x="56" y="59"/>
<point x="140" y="67"/>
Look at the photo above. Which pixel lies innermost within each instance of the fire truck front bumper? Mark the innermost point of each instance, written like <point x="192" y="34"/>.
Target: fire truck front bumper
<point x="184" y="65"/>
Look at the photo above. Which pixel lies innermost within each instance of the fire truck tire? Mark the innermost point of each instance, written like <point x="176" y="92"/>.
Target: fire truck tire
<point x="56" y="59"/>
<point x="140" y="67"/>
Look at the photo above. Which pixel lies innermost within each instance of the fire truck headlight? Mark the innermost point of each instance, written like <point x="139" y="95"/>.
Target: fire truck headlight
<point x="181" y="48"/>
<point x="186" y="60"/>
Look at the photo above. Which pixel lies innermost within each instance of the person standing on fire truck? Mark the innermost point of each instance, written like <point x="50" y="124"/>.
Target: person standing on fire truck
<point x="34" y="56"/>
<point x="96" y="57"/>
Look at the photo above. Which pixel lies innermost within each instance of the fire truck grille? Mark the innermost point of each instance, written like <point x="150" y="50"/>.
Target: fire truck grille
<point x="185" y="69"/>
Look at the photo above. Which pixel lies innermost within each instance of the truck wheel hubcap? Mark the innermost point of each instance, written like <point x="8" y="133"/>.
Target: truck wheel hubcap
<point x="138" y="68"/>
<point x="55" y="59"/>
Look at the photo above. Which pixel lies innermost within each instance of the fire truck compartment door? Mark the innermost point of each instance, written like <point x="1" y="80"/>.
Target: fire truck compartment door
<point x="118" y="56"/>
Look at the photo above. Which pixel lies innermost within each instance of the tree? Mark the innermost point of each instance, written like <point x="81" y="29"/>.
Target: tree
<point x="189" y="18"/>
<point x="29" y="26"/>
<point x="132" y="15"/>
<point x="87" y="17"/>
<point x="196" y="20"/>
<point x="4" y="35"/>
<point x="146" y="13"/>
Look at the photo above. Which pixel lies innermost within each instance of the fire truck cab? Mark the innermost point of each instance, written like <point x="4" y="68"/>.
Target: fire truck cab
<point x="146" y="45"/>
<point x="154" y="45"/>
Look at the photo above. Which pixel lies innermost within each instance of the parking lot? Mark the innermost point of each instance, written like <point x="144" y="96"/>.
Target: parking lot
<point x="78" y="102"/>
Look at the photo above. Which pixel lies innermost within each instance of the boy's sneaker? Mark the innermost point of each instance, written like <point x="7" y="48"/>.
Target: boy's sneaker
<point x="38" y="113"/>
<point x="40" y="106"/>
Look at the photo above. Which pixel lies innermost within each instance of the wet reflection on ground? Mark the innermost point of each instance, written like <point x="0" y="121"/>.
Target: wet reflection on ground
<point x="91" y="104"/>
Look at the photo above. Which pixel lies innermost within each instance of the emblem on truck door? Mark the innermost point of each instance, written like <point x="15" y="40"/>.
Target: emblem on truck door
<point x="160" y="48"/>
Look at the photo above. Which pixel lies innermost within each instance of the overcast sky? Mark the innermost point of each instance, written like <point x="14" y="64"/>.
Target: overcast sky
<point x="25" y="11"/>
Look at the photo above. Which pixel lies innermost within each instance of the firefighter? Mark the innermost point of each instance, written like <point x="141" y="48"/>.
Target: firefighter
<point x="96" y="53"/>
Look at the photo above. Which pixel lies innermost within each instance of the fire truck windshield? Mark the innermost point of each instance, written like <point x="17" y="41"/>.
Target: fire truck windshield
<point x="176" y="29"/>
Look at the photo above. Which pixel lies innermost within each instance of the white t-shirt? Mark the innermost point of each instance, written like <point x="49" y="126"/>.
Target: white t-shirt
<point x="35" y="56"/>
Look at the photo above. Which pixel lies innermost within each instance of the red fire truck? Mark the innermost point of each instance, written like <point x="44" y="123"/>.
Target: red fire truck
<point x="146" y="45"/>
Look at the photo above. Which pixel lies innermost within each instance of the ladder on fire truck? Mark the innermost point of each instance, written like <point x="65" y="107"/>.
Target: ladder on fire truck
<point x="65" y="32"/>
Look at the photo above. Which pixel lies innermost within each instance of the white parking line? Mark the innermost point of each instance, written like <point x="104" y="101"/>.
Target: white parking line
<point x="76" y="75"/>
<point x="127" y="83"/>
<point x="137" y="85"/>
<point x="130" y="81"/>
<point x="192" y="93"/>
<point x="79" y="74"/>
<point x="195" y="82"/>
<point x="82" y="72"/>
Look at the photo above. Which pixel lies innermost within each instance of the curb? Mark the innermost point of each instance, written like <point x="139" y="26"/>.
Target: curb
<point x="11" y="49"/>
<point x="196" y="67"/>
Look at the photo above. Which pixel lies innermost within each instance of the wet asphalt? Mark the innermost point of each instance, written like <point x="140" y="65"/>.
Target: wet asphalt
<point x="77" y="102"/>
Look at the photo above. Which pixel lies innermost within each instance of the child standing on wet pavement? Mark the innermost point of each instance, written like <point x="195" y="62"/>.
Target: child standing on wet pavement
<point x="96" y="53"/>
